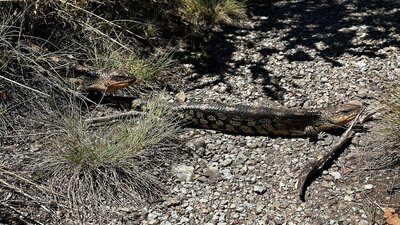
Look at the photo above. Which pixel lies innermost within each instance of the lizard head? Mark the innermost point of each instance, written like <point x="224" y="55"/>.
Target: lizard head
<point x="342" y="113"/>
<point x="116" y="79"/>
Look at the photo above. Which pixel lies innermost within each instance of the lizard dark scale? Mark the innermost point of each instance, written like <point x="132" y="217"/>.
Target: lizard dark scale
<point x="254" y="120"/>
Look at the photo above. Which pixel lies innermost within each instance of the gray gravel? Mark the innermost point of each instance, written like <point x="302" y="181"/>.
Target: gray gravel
<point x="233" y="179"/>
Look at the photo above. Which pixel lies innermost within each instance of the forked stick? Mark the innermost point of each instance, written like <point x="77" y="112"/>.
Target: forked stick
<point x="315" y="167"/>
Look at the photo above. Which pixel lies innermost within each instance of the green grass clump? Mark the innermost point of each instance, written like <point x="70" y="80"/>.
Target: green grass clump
<point x="206" y="13"/>
<point x="112" y="163"/>
<point x="148" y="68"/>
<point x="117" y="144"/>
<point x="145" y="68"/>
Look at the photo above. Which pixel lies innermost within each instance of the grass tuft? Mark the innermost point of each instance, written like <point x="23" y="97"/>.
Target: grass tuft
<point x="112" y="163"/>
<point x="144" y="68"/>
<point x="389" y="130"/>
<point x="228" y="11"/>
<point x="206" y="13"/>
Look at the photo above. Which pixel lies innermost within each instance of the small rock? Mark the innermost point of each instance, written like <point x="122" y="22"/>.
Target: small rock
<point x="174" y="215"/>
<point x="325" y="184"/>
<point x="203" y="200"/>
<point x="181" y="97"/>
<point x="151" y="222"/>
<point x="172" y="202"/>
<point x="222" y="217"/>
<point x="335" y="175"/>
<point x="212" y="173"/>
<point x="235" y="215"/>
<point x="251" y="145"/>
<point x="211" y="147"/>
<point x="361" y="64"/>
<point x="259" y="208"/>
<point x="199" y="142"/>
<point x="152" y="216"/>
<point x="348" y="198"/>
<point x="328" y="178"/>
<point x="327" y="140"/>
<point x="226" y="162"/>
<point x="183" y="172"/>
<point x="368" y="186"/>
<point x="362" y="93"/>
<point x="227" y="174"/>
<point x="127" y="210"/>
<point x="260" y="189"/>
<point x="241" y="158"/>
<point x="324" y="79"/>
<point x="261" y="222"/>
<point x="184" y="220"/>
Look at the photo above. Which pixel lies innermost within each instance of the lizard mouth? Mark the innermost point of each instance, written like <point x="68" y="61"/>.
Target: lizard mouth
<point x="345" y="113"/>
<point x="116" y="85"/>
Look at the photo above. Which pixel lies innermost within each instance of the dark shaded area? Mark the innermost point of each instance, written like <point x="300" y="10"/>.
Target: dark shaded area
<point x="299" y="56"/>
<point x="218" y="49"/>
<point x="270" y="84"/>
<point x="214" y="50"/>
<point x="330" y="28"/>
<point x="9" y="217"/>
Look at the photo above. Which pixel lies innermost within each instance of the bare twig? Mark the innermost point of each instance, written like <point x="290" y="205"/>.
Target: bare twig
<point x="113" y="117"/>
<point x="373" y="202"/>
<point x="315" y="167"/>
<point x="40" y="187"/>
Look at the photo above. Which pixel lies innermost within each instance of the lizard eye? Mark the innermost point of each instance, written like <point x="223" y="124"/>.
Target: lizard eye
<point x="346" y="110"/>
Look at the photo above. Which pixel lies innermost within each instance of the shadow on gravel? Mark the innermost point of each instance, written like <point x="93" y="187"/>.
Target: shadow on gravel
<point x="332" y="28"/>
<point x="219" y="48"/>
<point x="328" y="28"/>
<point x="269" y="83"/>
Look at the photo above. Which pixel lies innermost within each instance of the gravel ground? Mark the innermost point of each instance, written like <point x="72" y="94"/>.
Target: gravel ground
<point x="288" y="54"/>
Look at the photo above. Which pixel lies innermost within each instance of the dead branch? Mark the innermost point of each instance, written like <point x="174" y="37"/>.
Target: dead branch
<point x="314" y="168"/>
